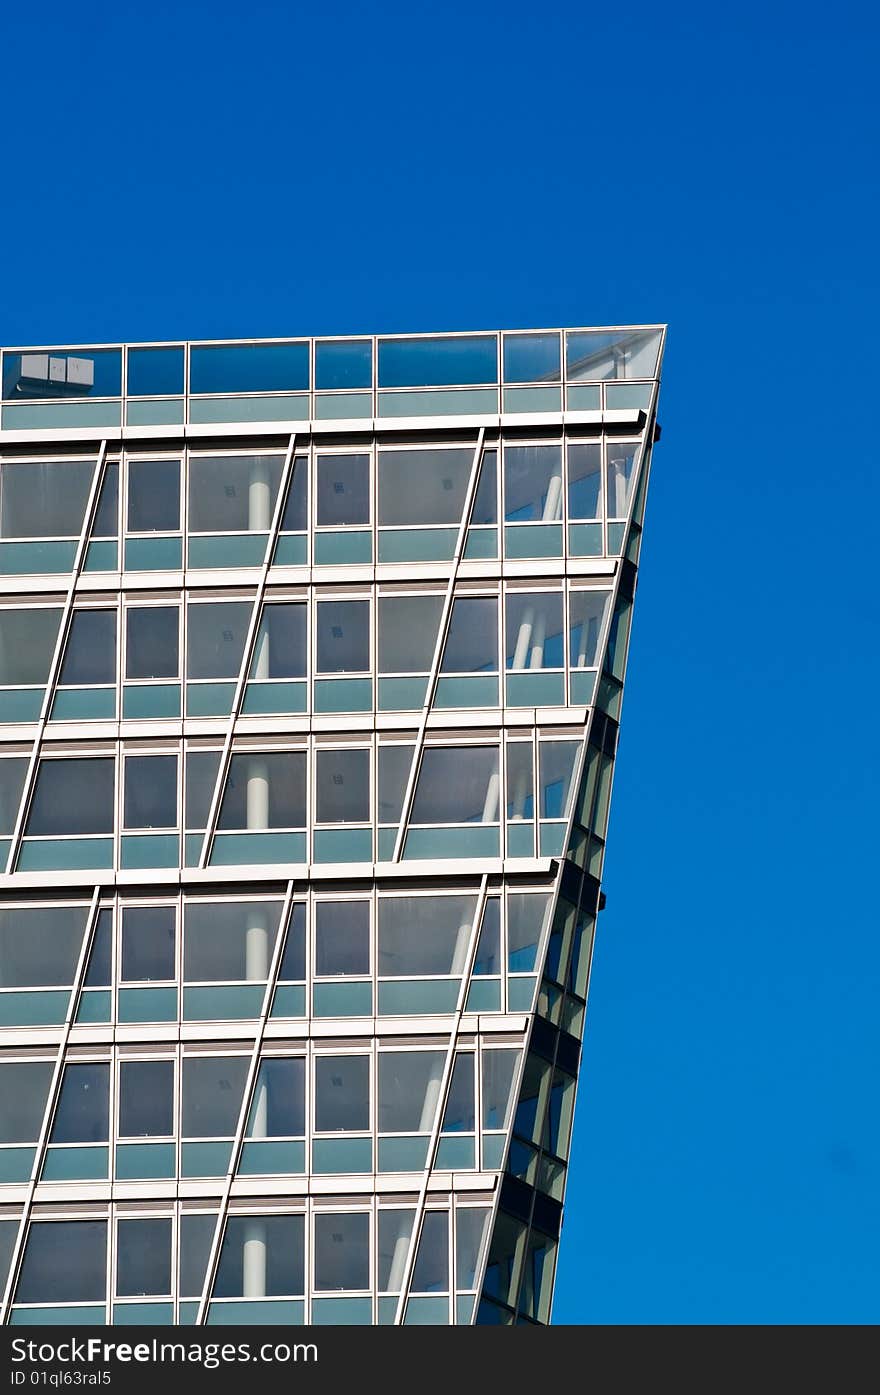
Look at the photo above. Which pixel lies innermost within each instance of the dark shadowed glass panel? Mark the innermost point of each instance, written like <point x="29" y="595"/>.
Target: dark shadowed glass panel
<point x="394" y="767"/>
<point x="488" y="960"/>
<point x="44" y="500"/>
<point x="285" y="774"/>
<point x="212" y="1091"/>
<point x="532" y="358"/>
<point x="457" y="784"/>
<point x="150" y="792"/>
<point x="249" y="368"/>
<point x="279" y="1099"/>
<point x="99" y="972"/>
<point x="343" y="639"/>
<point x="342" y="780"/>
<point x="40" y="945"/>
<point x="459" y="1115"/>
<point x="106" y="522"/>
<point x="342" y="937"/>
<point x="83" y="1112"/>
<point x="438" y="362"/>
<point x="64" y="1262"/>
<point x="152" y="642"/>
<point x="408" y="628"/>
<point x="146" y="1099"/>
<point x="216" y="936"/>
<point x="215" y="638"/>
<point x="345" y="363"/>
<point x="423" y="486"/>
<point x="232" y="493"/>
<point x="24" y="1088"/>
<point x="201" y="777"/>
<point x="72" y="796"/>
<point x="27" y="643"/>
<point x="343" y="490"/>
<point x="295" y="518"/>
<point x="148" y="934"/>
<point x="90" y="652"/>
<point x="472" y="637"/>
<point x="342" y="1251"/>
<point x="283" y="1240"/>
<point x="293" y="956"/>
<point x="153" y="496"/>
<point x="12" y="773"/>
<point x="431" y="1272"/>
<point x="485" y="508"/>
<point x="154" y="372"/>
<point x="342" y="1093"/>
<point x="281" y="648"/>
<point x="196" y="1236"/>
<point x="143" y="1256"/>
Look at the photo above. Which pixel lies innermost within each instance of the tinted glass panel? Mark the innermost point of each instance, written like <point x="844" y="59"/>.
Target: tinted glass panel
<point x="408" y="628"/>
<point x="83" y="1112"/>
<point x="343" y="636"/>
<point x="457" y="784"/>
<point x="462" y="361"/>
<point x="279" y="1107"/>
<point x="146" y="1099"/>
<point x="228" y="940"/>
<point x="343" y="490"/>
<point x="106" y="521"/>
<point x="342" y="1251"/>
<point x="342" y="1093"/>
<point x="41" y="500"/>
<point x="342" y="937"/>
<point x="154" y="372"/>
<point x="343" y="786"/>
<point x="281" y="645"/>
<point x="423" y="486"/>
<point x="64" y="1262"/>
<point x="472" y="638"/>
<point x="72" y="796"/>
<point x="216" y="638"/>
<point x="531" y="358"/>
<point x="40" y="945"/>
<point x="150" y="792"/>
<point x="343" y="364"/>
<point x="265" y="790"/>
<point x="295" y="518"/>
<point x="281" y="1244"/>
<point x="143" y="1256"/>
<point x="249" y="368"/>
<point x="232" y="493"/>
<point x="148" y="934"/>
<point x="90" y="652"/>
<point x="153" y="496"/>
<point x="152" y="642"/>
<point x="212" y="1091"/>
<point x="27" y="643"/>
<point x="24" y="1087"/>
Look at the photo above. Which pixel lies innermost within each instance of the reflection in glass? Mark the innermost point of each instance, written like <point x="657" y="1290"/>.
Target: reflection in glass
<point x="531" y="358"/>
<point x="212" y="1092"/>
<point x="408" y="628"/>
<point x="409" y="1090"/>
<point x="90" y="651"/>
<point x="533" y="484"/>
<point x="423" y="486"/>
<point x="154" y="372"/>
<point x="44" y="500"/>
<point x="27" y="643"/>
<point x="249" y="368"/>
<point x="440" y="361"/>
<point x="534" y="630"/>
<point x="457" y="784"/>
<point x="261" y="1257"/>
<point x="215" y="638"/>
<point x="424" y="934"/>
<point x="585" y="480"/>
<point x="233" y="493"/>
<point x="556" y="763"/>
<point x="343" y="363"/>
<point x="280" y="650"/>
<point x="265" y="790"/>
<point x="279" y="1103"/>
<point x="229" y="941"/>
<point x="587" y="610"/>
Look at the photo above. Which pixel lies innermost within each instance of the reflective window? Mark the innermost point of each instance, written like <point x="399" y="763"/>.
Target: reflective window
<point x="535" y="630"/>
<point x="342" y="781"/>
<point x="64" y="1262"/>
<point x="196" y="1237"/>
<point x="437" y="362"/>
<point x="471" y="1226"/>
<point x="431" y="1270"/>
<point x="233" y="493"/>
<point x="100" y="965"/>
<point x="106" y="520"/>
<point x="394" y="1231"/>
<point x="146" y="1099"/>
<point x="585" y="480"/>
<point x="74" y="795"/>
<point x="423" y="486"/>
<point x="485" y="508"/>
<point x="532" y="358"/>
<point x="533" y="484"/>
<point x="343" y="490"/>
<point x="90" y="652"/>
<point x="281" y="646"/>
<point x="265" y="790"/>
<point x="499" y="1069"/>
<point x="342" y="1093"/>
<point x="249" y="368"/>
<point x="526" y="913"/>
<point x="143" y="1256"/>
<point x="228" y="940"/>
<point x="293" y="956"/>
<point x="587" y="610"/>
<point x="152" y="641"/>
<point x="343" y="363"/>
<point x="24" y="1089"/>
<point x="457" y="784"/>
<point x="459" y="1115"/>
<point x="153" y="496"/>
<point x="621" y="458"/>
<point x="295" y="518"/>
<point x="216" y="634"/>
<point x="40" y="945"/>
<point x="27" y="643"/>
<point x="342" y="1250"/>
<point x="148" y="935"/>
<point x="424" y="934"/>
<point x="488" y="958"/>
<point x="343" y="639"/>
<point x="201" y="777"/>
<point x="63" y="373"/>
<point x="342" y="938"/>
<point x="12" y="773"/>
<point x="212" y="1093"/>
<point x="154" y="372"/>
<point x="39" y="499"/>
<point x="279" y="1104"/>
<point x="556" y="763"/>
<point x="408" y="628"/>
<point x="409" y="1090"/>
<point x="280" y="1256"/>
<point x="83" y="1111"/>
<point x="150" y="792"/>
<point x="394" y="768"/>
<point x="472" y="638"/>
<point x="596" y="354"/>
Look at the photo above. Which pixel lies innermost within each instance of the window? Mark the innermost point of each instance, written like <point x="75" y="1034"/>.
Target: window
<point x="227" y="941"/>
<point x="471" y="1225"/>
<point x="342" y="938"/>
<point x="153" y="496"/>
<point x="394" y="767"/>
<point x="343" y="640"/>
<point x="395" y="1229"/>
<point x="233" y="493"/>
<point x="418" y="487"/>
<point x="72" y="796"/>
<point x="585" y="480"/>
<point x="216" y="634"/>
<point x="146" y="1099"/>
<point x="621" y="457"/>
<point x="40" y="945"/>
<point x="295" y="518"/>
<point x="485" y="508"/>
<point x="408" y="628"/>
<point x="281" y="647"/>
<point x="201" y="777"/>
<point x="438" y="361"/>
<point x="98" y="973"/>
<point x="83" y="1111"/>
<point x="409" y="1090"/>
<point x="431" y="1269"/>
<point x="90" y="652"/>
<point x="64" y="1262"/>
<point x="343" y="490"/>
<point x="24" y="1089"/>
<point x="150" y="792"/>
<point x="106" y="521"/>
<point x="279" y="1104"/>
<point x="520" y="780"/>
<point x="154" y="372"/>
<point x="343" y="363"/>
<point x="459" y="1115"/>
<point x="457" y="784"/>
<point x="39" y="499"/>
<point x="196" y="1236"/>
<point x="424" y="935"/>
<point x="282" y="1252"/>
<point x="525" y="921"/>
<point x="12" y="773"/>
<point x="265" y="790"/>
<point x="27" y="643"/>
<point x="533" y="484"/>
<point x="488" y="958"/>
<point x="556" y="762"/>
<point x="587" y="616"/>
<point x="148" y="935"/>
<point x="342" y="1093"/>
<point x="499" y="1068"/>
<point x="152" y="646"/>
<point x="249" y="367"/>
<point x="293" y="956"/>
<point x="342" y="780"/>
<point x="143" y="1256"/>
<point x="342" y="1251"/>
<point x="534" y="630"/>
<point x="212" y="1091"/>
<point x="472" y="639"/>
<point x="531" y="358"/>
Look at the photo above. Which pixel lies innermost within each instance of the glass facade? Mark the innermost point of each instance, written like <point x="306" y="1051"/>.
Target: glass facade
<point x="311" y="666"/>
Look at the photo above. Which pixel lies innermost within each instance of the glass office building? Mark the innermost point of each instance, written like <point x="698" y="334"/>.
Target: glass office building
<point x="311" y="666"/>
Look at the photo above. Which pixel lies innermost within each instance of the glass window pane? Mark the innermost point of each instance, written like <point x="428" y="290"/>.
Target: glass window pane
<point x="488" y="960"/>
<point x="408" y="628"/>
<point x="228" y="941"/>
<point x="212" y="1090"/>
<point x="471" y="1225"/>
<point x="587" y="617"/>
<point x="457" y="784"/>
<point x="409" y="1090"/>
<point x="459" y="1115"/>
<point x="281" y="649"/>
<point x="394" y="768"/>
<point x="27" y="643"/>
<point x="72" y="796"/>
<point x="424" y="934"/>
<point x="532" y="358"/>
<point x="39" y="499"/>
<point x="280" y="1258"/>
<point x="597" y="354"/>
<point x="526" y="913"/>
<point x="146" y="1099"/>
<point x="533" y="484"/>
<point x="431" y="1270"/>
<point x="196" y="1237"/>
<point x="485" y="508"/>
<point x="12" y="773"/>
<point x="154" y="372"/>
<point x="99" y="973"/>
<point x="342" y="781"/>
<point x="342" y="1251"/>
<point x="621" y="457"/>
<point x="556" y="763"/>
<point x="343" y="490"/>
<point x="148" y="934"/>
<point x="216" y="635"/>
<point x="63" y="373"/>
<point x="24" y="1089"/>
<point x="152" y="642"/>
<point x="343" y="363"/>
<point x="279" y="1104"/>
<point x="499" y="1069"/>
<point x="293" y="956"/>
<point x="535" y="630"/>
<point x="40" y="945"/>
<point x="153" y="496"/>
<point x="520" y="780"/>
<point x="106" y="521"/>
<point x="265" y="790"/>
<point x="201" y="777"/>
<point x="585" y="480"/>
<point x="249" y="368"/>
<point x="143" y="1256"/>
<point x="64" y="1262"/>
<point x="343" y="639"/>
<point x="342" y="1093"/>
<point x="472" y="638"/>
<point x="233" y="493"/>
<point x="423" y="486"/>
<point x="150" y="792"/>
<point x="295" y="518"/>
<point x="83" y="1111"/>
<point x="395" y="1229"/>
<point x="90" y="652"/>
<point x="439" y="361"/>
<point x="342" y="938"/>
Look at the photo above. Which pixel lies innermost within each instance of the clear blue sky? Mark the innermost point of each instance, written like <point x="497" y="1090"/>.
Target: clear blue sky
<point x="274" y="169"/>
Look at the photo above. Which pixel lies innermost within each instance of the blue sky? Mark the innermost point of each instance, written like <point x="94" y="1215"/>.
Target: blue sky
<point x="276" y="169"/>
